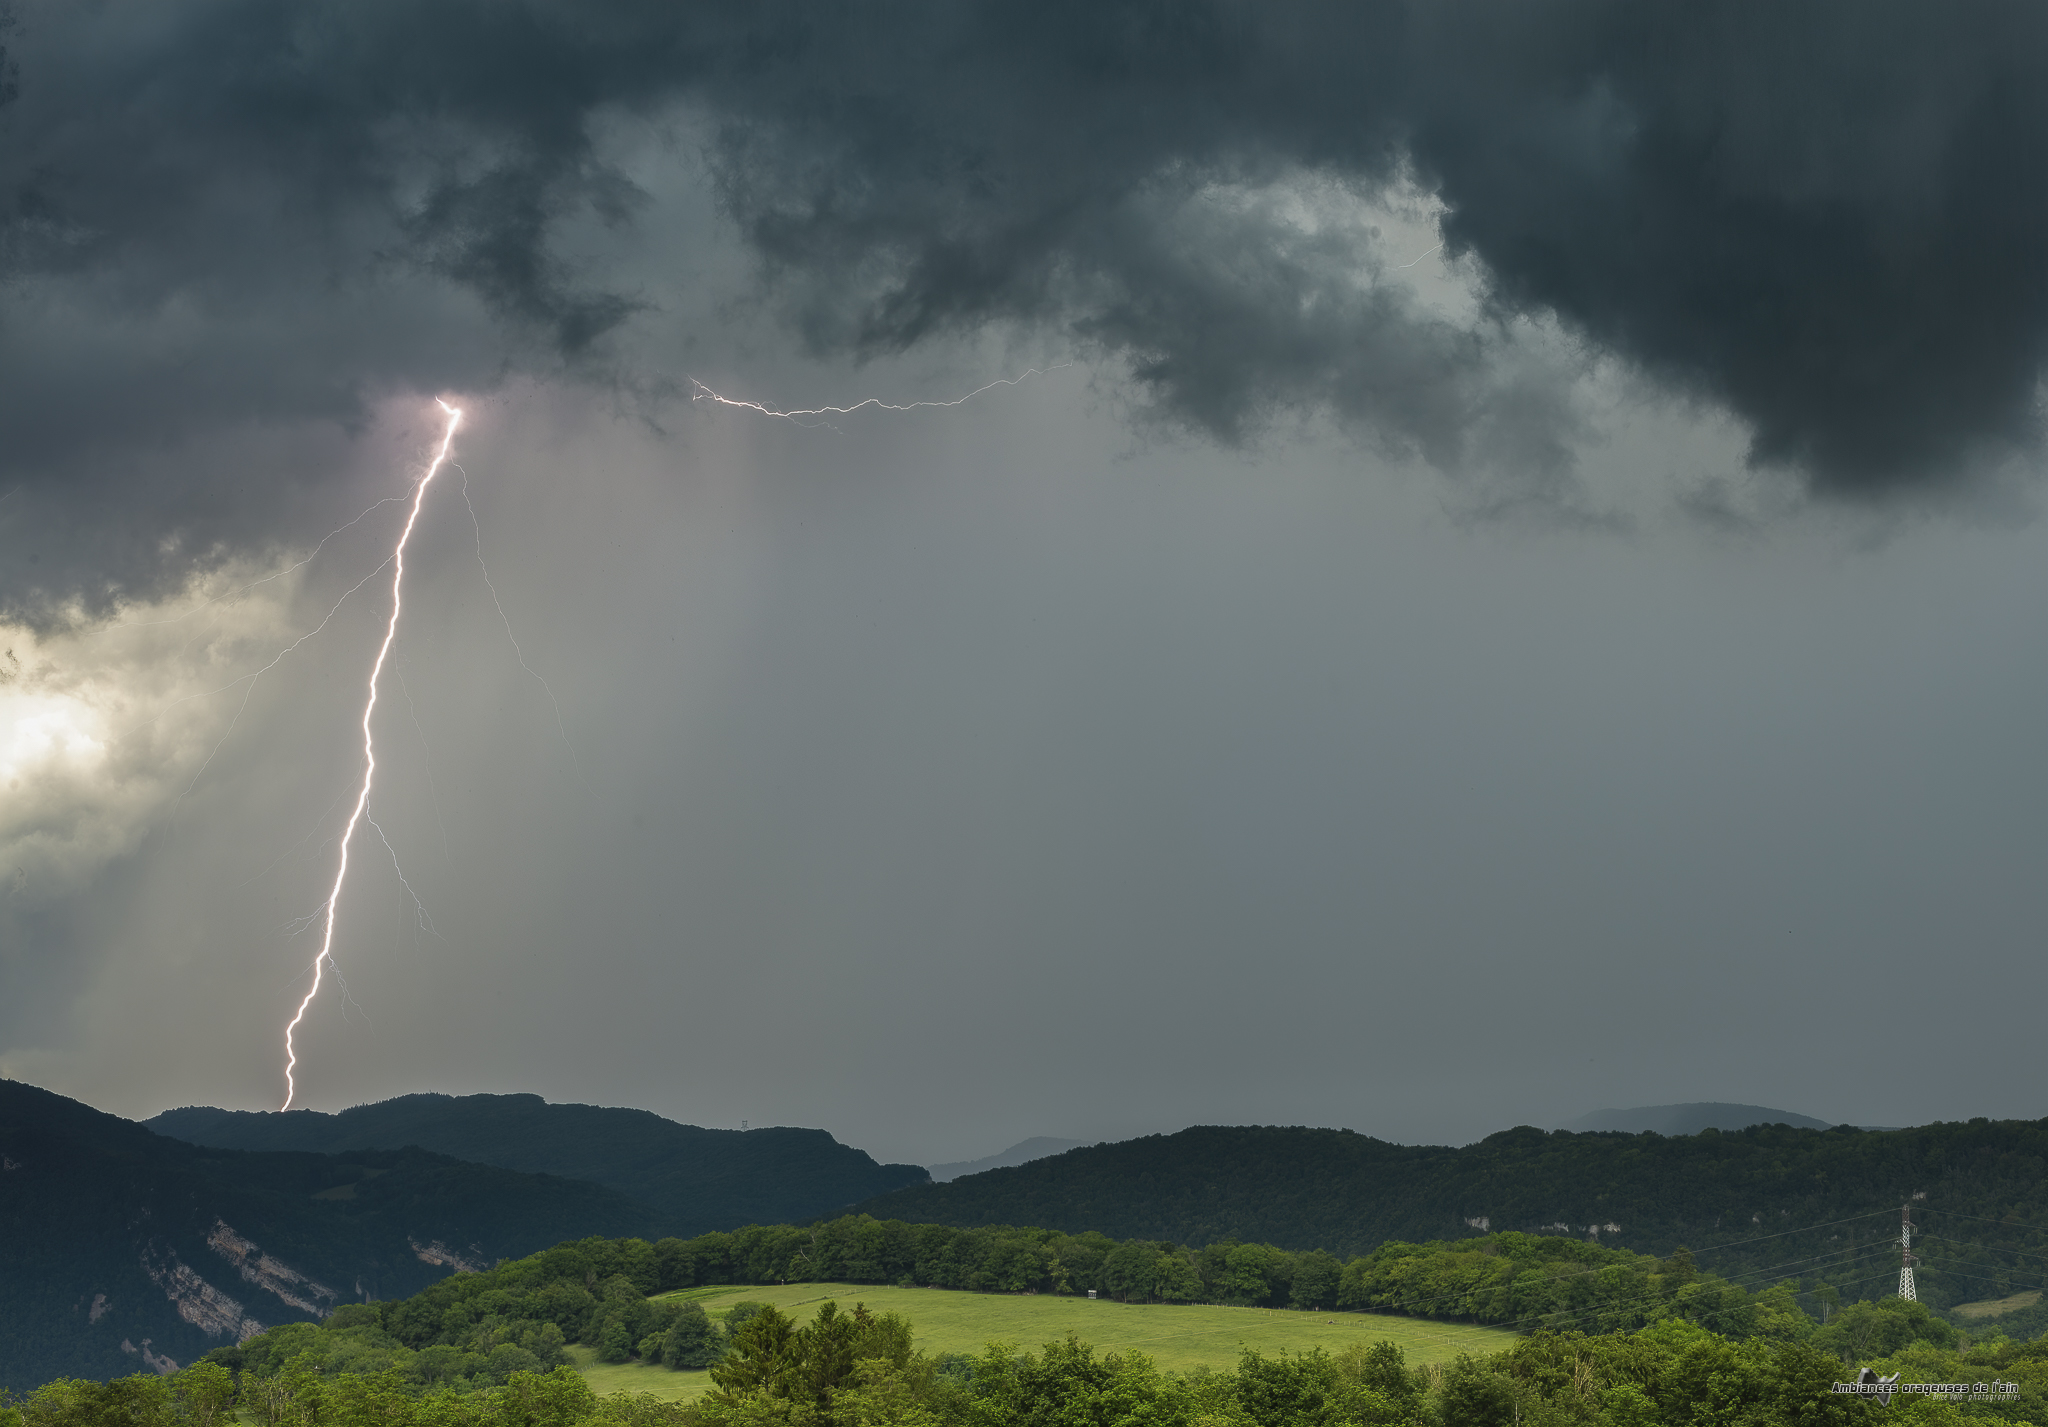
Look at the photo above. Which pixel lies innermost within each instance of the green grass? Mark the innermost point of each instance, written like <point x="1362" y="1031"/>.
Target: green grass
<point x="608" y="1378"/>
<point x="1177" y="1338"/>
<point x="1993" y="1307"/>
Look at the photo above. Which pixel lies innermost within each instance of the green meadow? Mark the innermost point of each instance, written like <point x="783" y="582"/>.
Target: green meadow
<point x="1994" y="1307"/>
<point x="608" y="1378"/>
<point x="1178" y="1337"/>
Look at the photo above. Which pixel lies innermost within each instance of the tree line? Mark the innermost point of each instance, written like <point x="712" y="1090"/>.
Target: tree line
<point x="1510" y="1279"/>
<point x="860" y="1369"/>
<point x="620" y="1296"/>
<point x="1755" y="1197"/>
<point x="627" y="1298"/>
<point x="482" y="1335"/>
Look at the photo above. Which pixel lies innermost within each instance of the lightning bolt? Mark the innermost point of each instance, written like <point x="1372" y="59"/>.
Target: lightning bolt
<point x="705" y="393"/>
<point x="356" y="815"/>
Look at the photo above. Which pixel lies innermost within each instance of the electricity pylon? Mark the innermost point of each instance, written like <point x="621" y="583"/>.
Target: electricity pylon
<point x="1906" y="1259"/>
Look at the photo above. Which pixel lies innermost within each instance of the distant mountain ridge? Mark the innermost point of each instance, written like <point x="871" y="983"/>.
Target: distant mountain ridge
<point x="1023" y="1152"/>
<point x="1347" y="1193"/>
<point x="1690" y="1119"/>
<point x="121" y="1249"/>
<point x="696" y="1180"/>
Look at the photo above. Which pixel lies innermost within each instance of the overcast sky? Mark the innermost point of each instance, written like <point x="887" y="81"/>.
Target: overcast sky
<point x="1509" y="579"/>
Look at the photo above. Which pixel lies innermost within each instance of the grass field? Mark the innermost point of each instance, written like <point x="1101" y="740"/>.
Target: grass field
<point x="1177" y="1338"/>
<point x="608" y="1378"/>
<point x="1992" y="1307"/>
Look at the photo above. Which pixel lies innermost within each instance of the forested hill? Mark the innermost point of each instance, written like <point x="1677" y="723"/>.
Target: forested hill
<point x="121" y="1249"/>
<point x="697" y="1180"/>
<point x="1347" y="1193"/>
<point x="1631" y="1341"/>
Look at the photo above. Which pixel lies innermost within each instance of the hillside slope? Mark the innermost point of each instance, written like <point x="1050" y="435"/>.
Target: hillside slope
<point x="696" y="1180"/>
<point x="1984" y="1217"/>
<point x="121" y="1249"/>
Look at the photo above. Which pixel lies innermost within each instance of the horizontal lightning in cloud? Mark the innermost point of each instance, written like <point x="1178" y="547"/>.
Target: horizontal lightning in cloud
<point x="873" y="403"/>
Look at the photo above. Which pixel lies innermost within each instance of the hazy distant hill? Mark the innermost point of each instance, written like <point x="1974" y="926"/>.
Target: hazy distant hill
<point x="1023" y="1152"/>
<point x="120" y="1248"/>
<point x="1341" y="1191"/>
<point x="1690" y="1119"/>
<point x="697" y="1180"/>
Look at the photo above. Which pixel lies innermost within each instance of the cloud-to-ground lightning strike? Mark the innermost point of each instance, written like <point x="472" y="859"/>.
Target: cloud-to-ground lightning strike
<point x="705" y="393"/>
<point x="291" y="1059"/>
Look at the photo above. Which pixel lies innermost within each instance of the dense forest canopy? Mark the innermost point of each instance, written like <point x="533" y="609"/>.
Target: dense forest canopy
<point x="486" y="1350"/>
<point x="477" y="1332"/>
<point x="106" y="1212"/>
<point x="1766" y="1195"/>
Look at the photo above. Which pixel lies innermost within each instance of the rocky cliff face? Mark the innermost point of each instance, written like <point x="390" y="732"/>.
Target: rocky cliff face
<point x="195" y="1300"/>
<point x="285" y="1282"/>
<point x="122" y="1250"/>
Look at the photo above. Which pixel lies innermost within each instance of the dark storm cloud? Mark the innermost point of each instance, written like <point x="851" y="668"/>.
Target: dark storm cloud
<point x="221" y="218"/>
<point x="1831" y="220"/>
<point x="1829" y="217"/>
